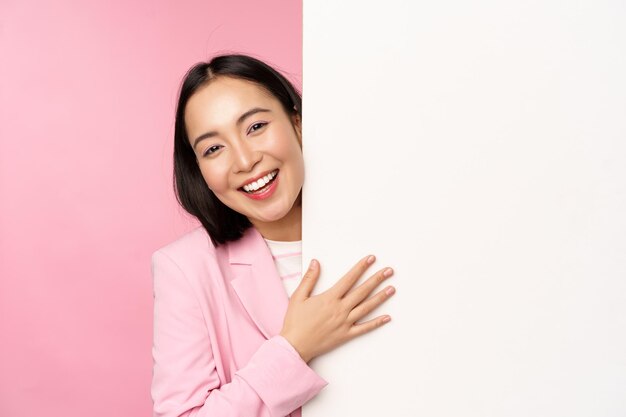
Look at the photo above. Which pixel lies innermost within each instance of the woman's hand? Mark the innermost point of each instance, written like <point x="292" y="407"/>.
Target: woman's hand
<point x="318" y="324"/>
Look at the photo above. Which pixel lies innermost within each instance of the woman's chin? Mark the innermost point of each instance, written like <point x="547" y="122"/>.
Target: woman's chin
<point x="273" y="212"/>
<point x="269" y="216"/>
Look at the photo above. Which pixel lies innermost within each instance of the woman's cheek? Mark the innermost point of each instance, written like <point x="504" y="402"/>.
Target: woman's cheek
<point x="209" y="179"/>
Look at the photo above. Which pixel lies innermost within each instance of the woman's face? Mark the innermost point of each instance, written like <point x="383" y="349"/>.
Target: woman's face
<point x="239" y="133"/>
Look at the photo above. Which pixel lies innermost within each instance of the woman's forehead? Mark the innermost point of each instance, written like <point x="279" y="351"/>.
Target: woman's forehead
<point x="226" y="95"/>
<point x="222" y="102"/>
<point x="229" y="89"/>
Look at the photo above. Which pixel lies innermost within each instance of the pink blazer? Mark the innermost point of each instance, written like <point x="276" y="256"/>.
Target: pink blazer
<point x="216" y="349"/>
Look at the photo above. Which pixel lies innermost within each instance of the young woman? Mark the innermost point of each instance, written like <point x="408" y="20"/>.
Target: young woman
<point x="235" y="324"/>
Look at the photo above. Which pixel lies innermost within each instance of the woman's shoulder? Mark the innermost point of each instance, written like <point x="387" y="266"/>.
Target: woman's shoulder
<point x="193" y="245"/>
<point x="195" y="249"/>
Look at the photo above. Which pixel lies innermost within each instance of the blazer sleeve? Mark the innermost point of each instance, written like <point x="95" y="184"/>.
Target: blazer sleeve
<point x="185" y="382"/>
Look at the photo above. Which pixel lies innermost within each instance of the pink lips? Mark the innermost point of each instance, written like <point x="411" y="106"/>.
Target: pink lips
<point x="266" y="193"/>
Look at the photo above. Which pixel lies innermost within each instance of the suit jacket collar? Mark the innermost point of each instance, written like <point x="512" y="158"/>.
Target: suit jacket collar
<point x="257" y="283"/>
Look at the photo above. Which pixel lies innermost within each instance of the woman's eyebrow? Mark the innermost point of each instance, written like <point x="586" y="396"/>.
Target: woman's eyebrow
<point x="239" y="121"/>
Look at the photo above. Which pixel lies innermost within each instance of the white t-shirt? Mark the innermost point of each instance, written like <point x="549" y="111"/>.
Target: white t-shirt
<point x="288" y="260"/>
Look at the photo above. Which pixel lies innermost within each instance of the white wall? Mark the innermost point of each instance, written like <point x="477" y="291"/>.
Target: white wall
<point x="479" y="148"/>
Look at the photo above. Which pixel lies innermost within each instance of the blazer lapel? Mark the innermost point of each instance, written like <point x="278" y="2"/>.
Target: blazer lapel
<point x="257" y="283"/>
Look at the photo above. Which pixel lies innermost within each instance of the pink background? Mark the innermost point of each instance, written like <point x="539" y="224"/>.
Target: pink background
<point x="87" y="96"/>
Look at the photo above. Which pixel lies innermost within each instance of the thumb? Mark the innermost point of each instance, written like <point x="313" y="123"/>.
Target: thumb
<point x="308" y="281"/>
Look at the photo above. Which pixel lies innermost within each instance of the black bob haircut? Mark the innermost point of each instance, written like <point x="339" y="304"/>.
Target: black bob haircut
<point x="221" y="222"/>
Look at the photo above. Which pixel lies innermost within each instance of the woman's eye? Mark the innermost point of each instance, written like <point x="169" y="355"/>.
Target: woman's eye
<point x="258" y="126"/>
<point x="210" y="150"/>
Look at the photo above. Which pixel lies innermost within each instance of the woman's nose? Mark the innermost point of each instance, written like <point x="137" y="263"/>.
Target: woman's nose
<point x="245" y="157"/>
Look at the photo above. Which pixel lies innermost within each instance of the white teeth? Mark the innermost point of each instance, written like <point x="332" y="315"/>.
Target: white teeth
<point x="260" y="183"/>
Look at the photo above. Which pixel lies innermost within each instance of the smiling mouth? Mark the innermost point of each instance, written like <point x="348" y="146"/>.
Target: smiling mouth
<point x="262" y="189"/>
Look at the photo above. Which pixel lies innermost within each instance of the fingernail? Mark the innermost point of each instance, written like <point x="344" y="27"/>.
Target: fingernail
<point x="388" y="272"/>
<point x="386" y="319"/>
<point x="370" y="259"/>
<point x="390" y="290"/>
<point x="313" y="263"/>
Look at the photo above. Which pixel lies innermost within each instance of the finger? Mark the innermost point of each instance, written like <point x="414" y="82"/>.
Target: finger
<point x="348" y="280"/>
<point x="304" y="289"/>
<point x="370" y="304"/>
<point x="354" y="297"/>
<point x="366" y="327"/>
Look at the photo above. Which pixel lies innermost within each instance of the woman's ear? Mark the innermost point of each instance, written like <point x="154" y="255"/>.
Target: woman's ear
<point x="297" y="125"/>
